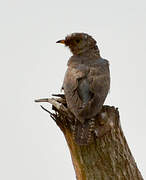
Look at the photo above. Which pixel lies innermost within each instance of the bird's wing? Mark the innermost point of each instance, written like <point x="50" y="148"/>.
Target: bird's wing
<point x="72" y="85"/>
<point x="85" y="89"/>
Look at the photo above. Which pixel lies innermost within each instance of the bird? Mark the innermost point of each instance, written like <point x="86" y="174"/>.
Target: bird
<point x="86" y="84"/>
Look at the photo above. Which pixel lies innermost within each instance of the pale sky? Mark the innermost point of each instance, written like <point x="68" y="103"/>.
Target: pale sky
<point x="32" y="66"/>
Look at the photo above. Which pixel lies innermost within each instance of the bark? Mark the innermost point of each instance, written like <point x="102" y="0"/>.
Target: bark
<point x="108" y="157"/>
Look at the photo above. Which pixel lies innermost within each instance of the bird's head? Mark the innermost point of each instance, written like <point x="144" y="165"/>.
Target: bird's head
<point x="79" y="42"/>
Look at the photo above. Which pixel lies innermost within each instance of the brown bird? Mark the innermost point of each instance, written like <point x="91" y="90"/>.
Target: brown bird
<point x="86" y="84"/>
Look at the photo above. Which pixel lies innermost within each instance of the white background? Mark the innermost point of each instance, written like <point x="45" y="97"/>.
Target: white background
<point x="32" y="66"/>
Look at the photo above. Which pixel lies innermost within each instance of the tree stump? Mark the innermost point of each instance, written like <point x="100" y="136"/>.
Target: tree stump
<point x="108" y="157"/>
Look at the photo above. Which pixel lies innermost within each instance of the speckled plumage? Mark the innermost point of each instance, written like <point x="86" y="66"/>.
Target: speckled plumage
<point x="86" y="84"/>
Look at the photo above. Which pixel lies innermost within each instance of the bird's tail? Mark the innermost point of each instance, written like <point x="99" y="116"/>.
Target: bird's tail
<point x="83" y="132"/>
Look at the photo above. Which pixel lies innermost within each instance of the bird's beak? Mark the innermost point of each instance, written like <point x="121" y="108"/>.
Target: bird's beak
<point x="61" y="41"/>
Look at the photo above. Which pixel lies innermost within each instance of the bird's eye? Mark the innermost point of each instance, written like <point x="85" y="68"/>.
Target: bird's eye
<point x="77" y="40"/>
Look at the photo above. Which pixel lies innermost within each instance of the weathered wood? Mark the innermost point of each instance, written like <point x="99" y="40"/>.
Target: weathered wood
<point x="108" y="157"/>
